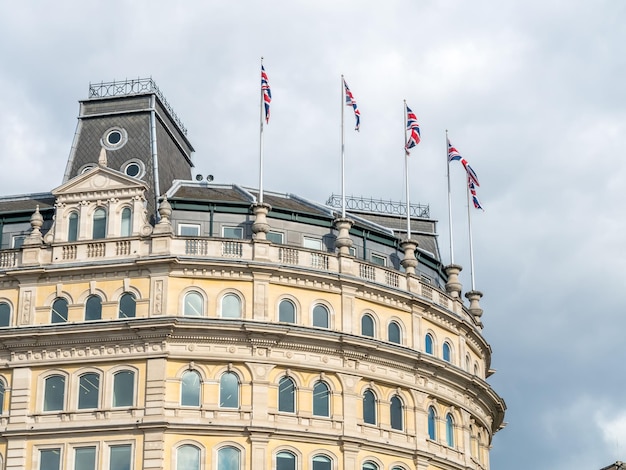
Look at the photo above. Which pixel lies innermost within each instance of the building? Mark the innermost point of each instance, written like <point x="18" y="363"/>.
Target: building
<point x="205" y="330"/>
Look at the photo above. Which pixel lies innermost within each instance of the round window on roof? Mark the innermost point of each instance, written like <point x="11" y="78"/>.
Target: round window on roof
<point x="114" y="138"/>
<point x="134" y="168"/>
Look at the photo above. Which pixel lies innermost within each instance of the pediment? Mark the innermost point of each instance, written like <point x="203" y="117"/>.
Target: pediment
<point x="99" y="182"/>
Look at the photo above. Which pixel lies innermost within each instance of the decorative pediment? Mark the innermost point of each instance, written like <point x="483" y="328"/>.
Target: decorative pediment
<point x="99" y="183"/>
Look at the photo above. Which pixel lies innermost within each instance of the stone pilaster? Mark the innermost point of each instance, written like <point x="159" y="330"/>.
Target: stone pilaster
<point x="409" y="263"/>
<point x="453" y="286"/>
<point x="343" y="242"/>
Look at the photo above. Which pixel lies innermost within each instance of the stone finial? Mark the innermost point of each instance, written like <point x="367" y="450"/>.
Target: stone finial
<point x="409" y="263"/>
<point x="343" y="242"/>
<point x="260" y="227"/>
<point x="453" y="286"/>
<point x="102" y="159"/>
<point x="474" y="297"/>
<point x="165" y="211"/>
<point x="36" y="222"/>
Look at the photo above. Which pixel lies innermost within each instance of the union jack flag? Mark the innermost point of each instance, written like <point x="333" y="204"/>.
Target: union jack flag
<point x="413" y="128"/>
<point x="350" y="101"/>
<point x="471" y="174"/>
<point x="453" y="153"/>
<point x="267" y="94"/>
<point x="472" y="189"/>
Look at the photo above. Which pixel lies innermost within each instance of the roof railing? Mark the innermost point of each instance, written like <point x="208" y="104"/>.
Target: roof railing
<point x="379" y="206"/>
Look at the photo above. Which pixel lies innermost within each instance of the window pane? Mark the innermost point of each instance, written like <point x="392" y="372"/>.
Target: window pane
<point x="5" y="314"/>
<point x="367" y="326"/>
<point x="394" y="332"/>
<point x="54" y="393"/>
<point x="233" y="232"/>
<point x="321" y="462"/>
<point x="370" y="466"/>
<point x="188" y="230"/>
<point x="231" y="306"/>
<point x="286" y="395"/>
<point x="446" y="352"/>
<point x="450" y="430"/>
<point x="428" y="343"/>
<point x="432" y="430"/>
<point x="85" y="458"/>
<point x="369" y="407"/>
<point x="72" y="227"/>
<point x="93" y="308"/>
<point x="188" y="458"/>
<point x="2" y="390"/>
<point x="119" y="457"/>
<point x="285" y="461"/>
<point x="321" y="398"/>
<point x="228" y="458"/>
<point x="123" y="388"/>
<point x="88" y="391"/>
<point x="50" y="459"/>
<point x="287" y="312"/>
<point x="127" y="306"/>
<point x="275" y="237"/>
<point x="59" y="311"/>
<point x="396" y="413"/>
<point x="229" y="390"/>
<point x="320" y="316"/>
<point x="379" y="260"/>
<point x="193" y="304"/>
<point x="312" y="243"/>
<point x="190" y="389"/>
<point x="126" y="222"/>
<point x="99" y="224"/>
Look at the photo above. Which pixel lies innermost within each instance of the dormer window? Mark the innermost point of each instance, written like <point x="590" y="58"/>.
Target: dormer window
<point x="114" y="138"/>
<point x="99" y="223"/>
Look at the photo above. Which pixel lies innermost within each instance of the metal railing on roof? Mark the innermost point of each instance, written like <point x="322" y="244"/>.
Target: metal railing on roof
<point x="379" y="206"/>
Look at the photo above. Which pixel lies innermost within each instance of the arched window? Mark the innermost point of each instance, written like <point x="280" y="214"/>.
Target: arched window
<point x="369" y="407"/>
<point x="428" y="343"/>
<point x="5" y="314"/>
<point x="321" y="316"/>
<point x="367" y="325"/>
<point x="88" y="391"/>
<point x="447" y="352"/>
<point x="369" y="465"/>
<point x="190" y="389"/>
<point x="99" y="224"/>
<point x="228" y="458"/>
<point x="476" y="368"/>
<point x="231" y="306"/>
<point x="287" y="311"/>
<point x="321" y="462"/>
<point x="54" y="393"/>
<point x="285" y="461"/>
<point x="128" y="305"/>
<point x="59" y="311"/>
<point x="193" y="305"/>
<point x="286" y="395"/>
<point x="229" y="390"/>
<point x="396" y="413"/>
<point x="72" y="227"/>
<point x="479" y="439"/>
<point x="432" y="423"/>
<point x="394" y="333"/>
<point x="467" y="363"/>
<point x="93" y="308"/>
<point x="187" y="457"/>
<point x="127" y="222"/>
<point x="321" y="399"/>
<point x="2" y="391"/>
<point x="124" y="388"/>
<point x="450" y="430"/>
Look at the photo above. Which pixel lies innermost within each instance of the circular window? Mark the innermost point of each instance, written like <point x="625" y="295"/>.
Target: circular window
<point x="86" y="168"/>
<point x="134" y="168"/>
<point x="114" y="138"/>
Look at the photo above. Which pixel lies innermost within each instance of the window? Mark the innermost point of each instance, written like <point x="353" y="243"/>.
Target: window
<point x="320" y="316"/>
<point x="5" y="314"/>
<point x="285" y="461"/>
<point x="369" y="407"/>
<point x="54" y="393"/>
<point x="287" y="311"/>
<point x="123" y="388"/>
<point x="72" y="227"/>
<point x="231" y="306"/>
<point x="476" y="368"/>
<point x="50" y="459"/>
<point x="370" y="466"/>
<point x="228" y="458"/>
<point x="232" y="232"/>
<point x="286" y="395"/>
<point x="59" y="311"/>
<point x="275" y="237"/>
<point x="229" y="390"/>
<point x="367" y="325"/>
<point x="193" y="304"/>
<point x="447" y="352"/>
<point x="134" y="169"/>
<point x="120" y="457"/>
<point x="99" y="224"/>
<point x="190" y="389"/>
<point x="321" y="399"/>
<point x="321" y="462"/>
<point x="312" y="243"/>
<point x="396" y="414"/>
<point x="393" y="333"/>
<point x="85" y="458"/>
<point x="379" y="260"/>
<point x="188" y="230"/>
<point x="2" y="391"/>
<point x="126" y="222"/>
<point x="432" y="423"/>
<point x="352" y="251"/>
<point x="450" y="430"/>
<point x="428" y="343"/>
<point x="17" y="241"/>
<point x="93" y="308"/>
<point x="467" y="363"/>
<point x="188" y="457"/>
<point x="88" y="391"/>
<point x="128" y="305"/>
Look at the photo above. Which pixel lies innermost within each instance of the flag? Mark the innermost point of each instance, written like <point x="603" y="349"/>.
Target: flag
<point x="267" y="94"/>
<point x="453" y="154"/>
<point x="471" y="174"/>
<point x="413" y="128"/>
<point x="472" y="189"/>
<point x="350" y="101"/>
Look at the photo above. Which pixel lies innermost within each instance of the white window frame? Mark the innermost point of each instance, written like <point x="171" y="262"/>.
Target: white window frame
<point x="182" y="226"/>
<point x="234" y="228"/>
<point x="274" y="233"/>
<point x="383" y="259"/>
<point x="15" y="238"/>
<point x="312" y="243"/>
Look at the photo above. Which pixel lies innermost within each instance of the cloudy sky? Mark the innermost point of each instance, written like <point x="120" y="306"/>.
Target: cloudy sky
<point x="532" y="93"/>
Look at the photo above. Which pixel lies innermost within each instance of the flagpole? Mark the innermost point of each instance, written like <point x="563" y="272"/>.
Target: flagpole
<point x="261" y="144"/>
<point x="449" y="201"/>
<point x="406" y="174"/>
<point x="471" y="245"/>
<point x="343" y="176"/>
